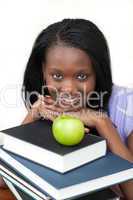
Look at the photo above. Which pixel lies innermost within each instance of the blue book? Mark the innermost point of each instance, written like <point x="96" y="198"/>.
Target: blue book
<point x="12" y="178"/>
<point x="99" y="174"/>
<point x="23" y="189"/>
<point x="106" y="194"/>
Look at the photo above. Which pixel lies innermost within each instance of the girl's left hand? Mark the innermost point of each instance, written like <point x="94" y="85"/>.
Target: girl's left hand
<point x="88" y="116"/>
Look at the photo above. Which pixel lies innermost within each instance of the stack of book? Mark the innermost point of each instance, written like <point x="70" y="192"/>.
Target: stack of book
<point x="34" y="162"/>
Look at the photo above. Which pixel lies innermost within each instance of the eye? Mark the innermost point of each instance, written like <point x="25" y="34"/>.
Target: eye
<point x="82" y="76"/>
<point x="57" y="76"/>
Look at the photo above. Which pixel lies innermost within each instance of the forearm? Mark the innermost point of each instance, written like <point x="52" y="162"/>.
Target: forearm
<point x="106" y="129"/>
<point x="114" y="143"/>
<point x="127" y="189"/>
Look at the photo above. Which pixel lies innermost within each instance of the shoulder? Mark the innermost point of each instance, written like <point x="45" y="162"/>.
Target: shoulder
<point x="121" y="109"/>
<point x="121" y="100"/>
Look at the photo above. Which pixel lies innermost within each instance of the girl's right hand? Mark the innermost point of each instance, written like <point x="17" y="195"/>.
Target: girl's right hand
<point x="39" y="109"/>
<point x="48" y="108"/>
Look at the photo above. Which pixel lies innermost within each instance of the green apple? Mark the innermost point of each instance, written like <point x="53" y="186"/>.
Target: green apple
<point x="68" y="130"/>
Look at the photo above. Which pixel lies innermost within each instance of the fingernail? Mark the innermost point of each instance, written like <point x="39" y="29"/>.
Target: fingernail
<point x="40" y="96"/>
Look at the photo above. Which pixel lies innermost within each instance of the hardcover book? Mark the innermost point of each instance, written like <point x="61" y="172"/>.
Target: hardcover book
<point x="97" y="175"/>
<point x="35" y="141"/>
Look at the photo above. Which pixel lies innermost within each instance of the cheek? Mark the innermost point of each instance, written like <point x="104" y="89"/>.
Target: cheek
<point x="92" y="84"/>
<point x="52" y="87"/>
<point x="88" y="86"/>
<point x="49" y="82"/>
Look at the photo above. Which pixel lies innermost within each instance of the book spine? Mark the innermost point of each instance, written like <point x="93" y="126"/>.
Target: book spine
<point x="22" y="187"/>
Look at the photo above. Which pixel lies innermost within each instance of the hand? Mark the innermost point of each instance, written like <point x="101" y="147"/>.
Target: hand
<point x="47" y="108"/>
<point x="88" y="116"/>
<point x="40" y="109"/>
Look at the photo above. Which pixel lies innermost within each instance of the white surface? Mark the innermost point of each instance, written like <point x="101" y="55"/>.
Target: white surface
<point x="21" y="21"/>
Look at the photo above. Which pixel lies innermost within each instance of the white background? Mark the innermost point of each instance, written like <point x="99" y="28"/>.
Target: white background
<point x="20" y="23"/>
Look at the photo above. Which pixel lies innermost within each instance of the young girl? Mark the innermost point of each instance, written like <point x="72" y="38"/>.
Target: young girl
<point x="69" y="72"/>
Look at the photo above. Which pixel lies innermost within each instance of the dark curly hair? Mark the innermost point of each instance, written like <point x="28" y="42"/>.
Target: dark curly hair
<point x="78" y="33"/>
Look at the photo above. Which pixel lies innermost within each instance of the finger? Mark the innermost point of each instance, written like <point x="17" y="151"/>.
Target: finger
<point x="48" y="114"/>
<point x="57" y="109"/>
<point x="64" y="107"/>
<point x="67" y="105"/>
<point x="41" y="97"/>
<point x="61" y="109"/>
<point x="53" y="108"/>
<point x="53" y="105"/>
<point x="72" y="109"/>
<point x="87" y="130"/>
<point x="50" y="117"/>
<point x="49" y="100"/>
<point x="39" y="101"/>
<point x="49" y="109"/>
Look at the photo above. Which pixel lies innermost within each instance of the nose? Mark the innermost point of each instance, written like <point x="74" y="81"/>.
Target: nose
<point x="68" y="87"/>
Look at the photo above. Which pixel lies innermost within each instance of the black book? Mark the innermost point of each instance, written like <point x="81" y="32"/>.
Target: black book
<point x="35" y="141"/>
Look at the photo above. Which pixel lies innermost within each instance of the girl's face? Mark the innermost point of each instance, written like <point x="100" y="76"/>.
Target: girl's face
<point x="69" y="70"/>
